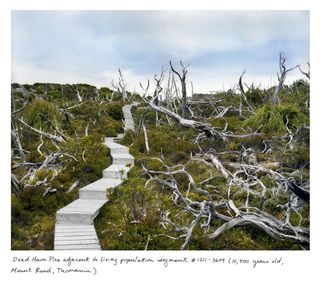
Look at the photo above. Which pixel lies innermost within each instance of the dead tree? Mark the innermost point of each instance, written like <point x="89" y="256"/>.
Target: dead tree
<point x="168" y="91"/>
<point x="122" y="86"/>
<point x="16" y="139"/>
<point x="79" y="94"/>
<point x="243" y="97"/>
<point x="157" y="91"/>
<point x="281" y="78"/>
<point x="16" y="186"/>
<point x="307" y="74"/>
<point x="182" y="77"/>
<point x="192" y="89"/>
<point x="247" y="189"/>
<point x="216" y="207"/>
<point x="205" y="128"/>
<point x="146" y="138"/>
<point x="14" y="129"/>
<point x="42" y="133"/>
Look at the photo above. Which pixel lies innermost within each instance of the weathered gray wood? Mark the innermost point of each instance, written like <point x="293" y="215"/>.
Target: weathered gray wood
<point x="122" y="159"/>
<point x="129" y="123"/>
<point x="74" y="235"/>
<point x="74" y="229"/>
<point x="116" y="171"/>
<point x="78" y="247"/>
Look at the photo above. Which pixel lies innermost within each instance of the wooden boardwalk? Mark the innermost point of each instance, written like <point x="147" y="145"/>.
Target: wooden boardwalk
<point x="74" y="228"/>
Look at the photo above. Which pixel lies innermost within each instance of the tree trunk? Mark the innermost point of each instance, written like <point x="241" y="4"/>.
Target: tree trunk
<point x="146" y="138"/>
<point x="281" y="78"/>
<point x="182" y="78"/>
<point x="184" y="98"/>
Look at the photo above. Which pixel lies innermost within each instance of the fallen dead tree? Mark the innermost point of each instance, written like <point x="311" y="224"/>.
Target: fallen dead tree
<point x="248" y="188"/>
<point x="51" y="161"/>
<point x="205" y="128"/>
<point x="219" y="205"/>
<point x="42" y="133"/>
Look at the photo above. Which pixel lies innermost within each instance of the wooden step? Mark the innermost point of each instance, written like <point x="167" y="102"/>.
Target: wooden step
<point x="116" y="171"/>
<point x="74" y="228"/>
<point x="123" y="159"/>
<point x="112" y="145"/>
<point x="80" y="211"/>
<point x="119" y="150"/>
<point x="99" y="189"/>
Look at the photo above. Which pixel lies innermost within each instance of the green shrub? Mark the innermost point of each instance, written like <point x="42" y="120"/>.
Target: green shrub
<point x="255" y="96"/>
<point x="115" y="111"/>
<point x="91" y="158"/>
<point x="54" y="95"/>
<point x="43" y="115"/>
<point x="274" y="118"/>
<point x="105" y="92"/>
<point x="233" y="123"/>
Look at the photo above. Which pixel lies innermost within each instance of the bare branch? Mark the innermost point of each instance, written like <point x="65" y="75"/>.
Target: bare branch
<point x="198" y="126"/>
<point x="47" y="135"/>
<point x="146" y="138"/>
<point x="307" y="74"/>
<point x="182" y="78"/>
<point x="73" y="186"/>
<point x="16" y="139"/>
<point x="145" y="89"/>
<point x="243" y="95"/>
<point x="79" y="94"/>
<point x="122" y="86"/>
<point x="281" y="78"/>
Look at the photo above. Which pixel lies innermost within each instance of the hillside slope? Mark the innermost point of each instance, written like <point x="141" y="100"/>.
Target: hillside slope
<point x="187" y="190"/>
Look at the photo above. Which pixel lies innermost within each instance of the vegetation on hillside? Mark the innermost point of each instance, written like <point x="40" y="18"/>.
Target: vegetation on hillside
<point x="254" y="164"/>
<point x="46" y="173"/>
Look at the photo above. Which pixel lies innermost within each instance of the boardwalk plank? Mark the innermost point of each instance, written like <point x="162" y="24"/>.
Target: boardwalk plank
<point x="72" y="232"/>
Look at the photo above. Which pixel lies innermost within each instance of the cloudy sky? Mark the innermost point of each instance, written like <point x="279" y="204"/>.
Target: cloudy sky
<point x="89" y="46"/>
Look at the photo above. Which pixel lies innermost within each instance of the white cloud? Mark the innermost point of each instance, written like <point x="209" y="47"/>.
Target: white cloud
<point x="70" y="47"/>
<point x="198" y="31"/>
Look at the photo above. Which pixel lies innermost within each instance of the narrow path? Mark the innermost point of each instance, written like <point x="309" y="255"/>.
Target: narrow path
<point x="74" y="228"/>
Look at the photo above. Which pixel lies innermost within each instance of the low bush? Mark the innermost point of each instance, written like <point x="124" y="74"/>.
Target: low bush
<point x="275" y="118"/>
<point x="43" y="115"/>
<point x="114" y="110"/>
